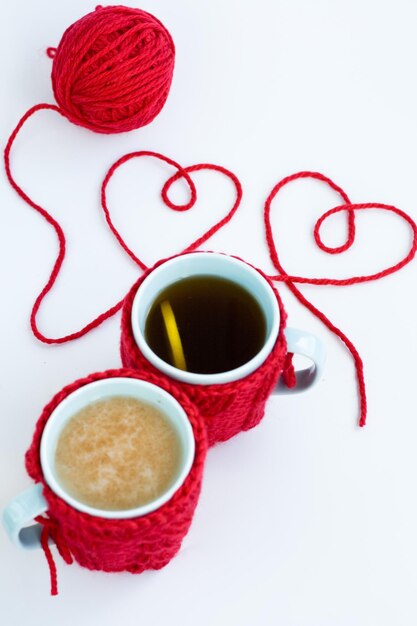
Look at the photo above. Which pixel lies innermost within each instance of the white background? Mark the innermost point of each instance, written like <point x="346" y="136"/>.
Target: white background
<point x="307" y="520"/>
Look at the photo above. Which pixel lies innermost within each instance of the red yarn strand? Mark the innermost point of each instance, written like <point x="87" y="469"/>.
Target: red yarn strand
<point x="288" y="372"/>
<point x="50" y="530"/>
<point x="61" y="242"/>
<point x="180" y="173"/>
<point x="50" y="560"/>
<point x="290" y="280"/>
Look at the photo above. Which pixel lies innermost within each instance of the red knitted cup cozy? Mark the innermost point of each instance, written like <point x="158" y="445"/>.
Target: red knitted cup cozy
<point x="228" y="408"/>
<point x="115" y="545"/>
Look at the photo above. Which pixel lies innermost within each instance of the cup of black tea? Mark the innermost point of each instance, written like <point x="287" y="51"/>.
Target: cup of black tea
<point x="216" y="325"/>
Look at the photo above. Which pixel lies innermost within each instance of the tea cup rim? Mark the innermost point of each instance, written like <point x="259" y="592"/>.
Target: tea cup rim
<point x="249" y="276"/>
<point x="142" y="390"/>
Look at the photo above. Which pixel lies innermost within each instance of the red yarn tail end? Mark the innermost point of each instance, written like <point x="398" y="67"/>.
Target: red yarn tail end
<point x="288" y="373"/>
<point x="362" y="395"/>
<point x="50" y="560"/>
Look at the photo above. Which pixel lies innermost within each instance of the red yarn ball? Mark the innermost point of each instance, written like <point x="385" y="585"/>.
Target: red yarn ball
<point x="112" y="70"/>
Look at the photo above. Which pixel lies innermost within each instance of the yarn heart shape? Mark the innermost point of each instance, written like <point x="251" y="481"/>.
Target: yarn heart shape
<point x="181" y="173"/>
<point x="350" y="210"/>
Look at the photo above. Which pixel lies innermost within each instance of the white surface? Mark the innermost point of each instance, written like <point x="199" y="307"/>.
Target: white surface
<point x="307" y="520"/>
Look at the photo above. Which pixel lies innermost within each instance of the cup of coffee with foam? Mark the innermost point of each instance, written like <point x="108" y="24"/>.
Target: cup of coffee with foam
<point x="217" y="326"/>
<point x="118" y="462"/>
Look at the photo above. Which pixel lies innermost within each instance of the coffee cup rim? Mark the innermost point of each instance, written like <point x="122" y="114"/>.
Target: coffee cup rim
<point x="264" y="295"/>
<point x="147" y="392"/>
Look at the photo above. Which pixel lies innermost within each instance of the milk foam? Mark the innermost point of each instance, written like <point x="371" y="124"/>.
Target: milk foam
<point x="118" y="453"/>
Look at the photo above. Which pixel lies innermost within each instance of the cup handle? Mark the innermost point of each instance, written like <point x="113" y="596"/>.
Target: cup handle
<point x="20" y="512"/>
<point x="308" y="345"/>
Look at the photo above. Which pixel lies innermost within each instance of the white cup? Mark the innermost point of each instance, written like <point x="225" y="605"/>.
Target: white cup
<point x="235" y="270"/>
<point x="28" y="505"/>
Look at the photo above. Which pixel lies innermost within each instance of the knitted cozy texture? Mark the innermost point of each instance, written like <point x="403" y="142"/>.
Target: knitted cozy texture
<point x="229" y="408"/>
<point x="115" y="545"/>
<point x="112" y="69"/>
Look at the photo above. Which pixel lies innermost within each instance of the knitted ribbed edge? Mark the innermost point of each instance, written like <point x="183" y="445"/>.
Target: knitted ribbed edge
<point x="132" y="545"/>
<point x="229" y="408"/>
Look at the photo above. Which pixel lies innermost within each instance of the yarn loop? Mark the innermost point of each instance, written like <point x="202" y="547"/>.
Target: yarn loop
<point x="181" y="173"/>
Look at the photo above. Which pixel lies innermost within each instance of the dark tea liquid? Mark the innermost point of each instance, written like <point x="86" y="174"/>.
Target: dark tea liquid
<point x="220" y="324"/>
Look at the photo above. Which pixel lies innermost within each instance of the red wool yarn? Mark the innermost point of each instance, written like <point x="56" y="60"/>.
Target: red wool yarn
<point x="350" y="209"/>
<point x="112" y="69"/>
<point x="116" y="545"/>
<point x="183" y="173"/>
<point x="227" y="409"/>
<point x="111" y="73"/>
